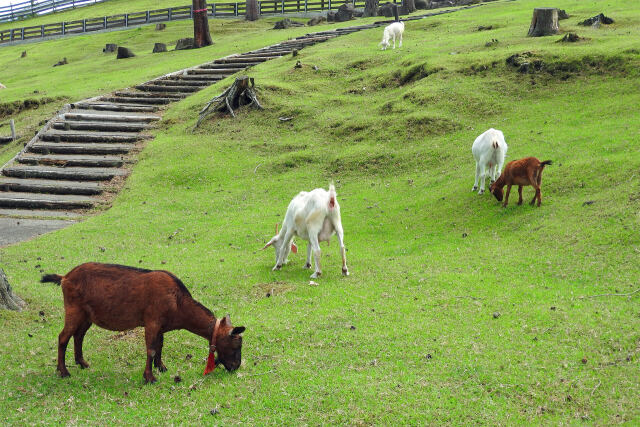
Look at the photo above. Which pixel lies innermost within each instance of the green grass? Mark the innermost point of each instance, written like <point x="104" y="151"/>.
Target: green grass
<point x="430" y="261"/>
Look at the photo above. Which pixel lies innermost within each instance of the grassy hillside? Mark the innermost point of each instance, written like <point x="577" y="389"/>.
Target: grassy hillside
<point x="456" y="311"/>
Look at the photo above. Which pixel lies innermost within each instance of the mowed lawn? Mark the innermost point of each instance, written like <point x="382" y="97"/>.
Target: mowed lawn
<point x="457" y="311"/>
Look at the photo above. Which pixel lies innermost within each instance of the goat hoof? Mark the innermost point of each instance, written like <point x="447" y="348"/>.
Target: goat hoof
<point x="162" y="368"/>
<point x="481" y="192"/>
<point x="64" y="373"/>
<point x="83" y="364"/>
<point x="277" y="267"/>
<point x="307" y="265"/>
<point x="475" y="188"/>
<point x="149" y="379"/>
<point x="345" y="272"/>
<point x="316" y="275"/>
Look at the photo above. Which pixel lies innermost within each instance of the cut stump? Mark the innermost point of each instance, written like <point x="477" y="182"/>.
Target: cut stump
<point x="8" y="300"/>
<point x="240" y="93"/>
<point x="544" y="22"/>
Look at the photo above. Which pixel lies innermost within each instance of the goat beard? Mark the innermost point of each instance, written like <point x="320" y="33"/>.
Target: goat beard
<point x="211" y="363"/>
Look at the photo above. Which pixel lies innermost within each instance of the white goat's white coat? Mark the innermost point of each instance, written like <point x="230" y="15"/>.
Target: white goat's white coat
<point x="394" y="31"/>
<point x="313" y="216"/>
<point x="489" y="149"/>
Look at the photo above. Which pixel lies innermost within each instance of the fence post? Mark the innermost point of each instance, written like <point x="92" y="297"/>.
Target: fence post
<point x="64" y="27"/>
<point x="170" y="14"/>
<point x="235" y="9"/>
<point x="191" y="12"/>
<point x="54" y="5"/>
<point x="22" y="33"/>
<point x="329" y="5"/>
<point x="41" y="30"/>
<point x="104" y="23"/>
<point x="13" y="129"/>
<point x="283" y="7"/>
<point x="126" y="19"/>
<point x="305" y="6"/>
<point x="147" y="17"/>
<point x="84" y="25"/>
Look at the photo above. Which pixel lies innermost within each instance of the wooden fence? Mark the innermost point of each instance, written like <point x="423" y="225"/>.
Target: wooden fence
<point x="28" y="9"/>
<point x="265" y="7"/>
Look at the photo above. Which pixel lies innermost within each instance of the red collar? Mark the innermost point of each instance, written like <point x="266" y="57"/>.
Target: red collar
<point x="211" y="360"/>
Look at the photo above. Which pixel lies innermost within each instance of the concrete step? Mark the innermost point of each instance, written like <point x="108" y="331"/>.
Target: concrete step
<point x="71" y="160"/>
<point x="208" y="70"/>
<point x="152" y="95"/>
<point x="115" y="106"/>
<point x="141" y="101"/>
<point x="100" y="126"/>
<point x="34" y="213"/>
<point x="89" y="136"/>
<point x="51" y="186"/>
<point x="45" y="201"/>
<point x="234" y="67"/>
<point x="78" y="148"/>
<point x="87" y="116"/>
<point x="166" y="88"/>
<point x="264" y="54"/>
<point x="70" y="174"/>
<point x="238" y="60"/>
<point x="207" y="79"/>
<point x="178" y="82"/>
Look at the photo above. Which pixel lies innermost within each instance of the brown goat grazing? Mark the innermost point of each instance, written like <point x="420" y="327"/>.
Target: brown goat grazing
<point x="120" y="298"/>
<point x="527" y="171"/>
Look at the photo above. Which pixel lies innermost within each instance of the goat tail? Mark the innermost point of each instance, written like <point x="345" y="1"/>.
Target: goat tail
<point x="546" y="162"/>
<point x="332" y="196"/>
<point x="51" y="278"/>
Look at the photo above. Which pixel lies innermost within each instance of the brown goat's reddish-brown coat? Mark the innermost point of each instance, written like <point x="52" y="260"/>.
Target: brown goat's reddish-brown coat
<point x="527" y="171"/>
<point x="119" y="298"/>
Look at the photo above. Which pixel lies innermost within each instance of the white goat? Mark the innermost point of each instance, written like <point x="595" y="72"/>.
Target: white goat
<point x="489" y="149"/>
<point x="313" y="216"/>
<point x="394" y="30"/>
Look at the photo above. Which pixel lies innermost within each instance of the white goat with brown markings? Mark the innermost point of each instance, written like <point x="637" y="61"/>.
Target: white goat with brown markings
<point x="313" y="216"/>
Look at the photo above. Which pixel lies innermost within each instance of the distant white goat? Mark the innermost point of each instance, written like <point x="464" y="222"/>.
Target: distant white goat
<point x="313" y="216"/>
<point x="394" y="30"/>
<point x="489" y="150"/>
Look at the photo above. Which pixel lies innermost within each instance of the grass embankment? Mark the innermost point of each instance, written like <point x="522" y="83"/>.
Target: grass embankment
<point x="457" y="311"/>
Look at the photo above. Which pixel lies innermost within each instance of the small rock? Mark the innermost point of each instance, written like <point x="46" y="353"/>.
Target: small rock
<point x="496" y="315"/>
<point x="102" y="249"/>
<point x="24" y="54"/>
<point x="41" y="313"/>
<point x="553" y="307"/>
<point x="353" y="328"/>
<point x="63" y="62"/>
<point x="30" y="335"/>
<point x="428" y="356"/>
<point x="312" y="283"/>
<point x="221" y="259"/>
<point x="188" y="357"/>
<point x="588" y="202"/>
<point x="177" y="379"/>
<point x="163" y="262"/>
<point x="464" y="235"/>
<point x="160" y="27"/>
<point x="214" y="411"/>
<point x="584" y="360"/>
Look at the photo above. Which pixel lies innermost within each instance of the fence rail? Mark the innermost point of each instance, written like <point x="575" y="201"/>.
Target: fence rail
<point x="28" y="9"/>
<point x="265" y="7"/>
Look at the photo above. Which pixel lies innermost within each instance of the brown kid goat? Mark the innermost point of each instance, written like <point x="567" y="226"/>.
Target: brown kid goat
<point x="120" y="298"/>
<point x="527" y="171"/>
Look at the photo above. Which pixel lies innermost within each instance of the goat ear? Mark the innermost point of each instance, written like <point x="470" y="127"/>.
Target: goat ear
<point x="237" y="330"/>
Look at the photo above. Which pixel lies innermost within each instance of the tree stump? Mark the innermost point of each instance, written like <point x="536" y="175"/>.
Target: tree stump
<point x="409" y="6"/>
<point x="159" y="47"/>
<point x="8" y="300"/>
<point x="124" y="52"/>
<point x="201" y="34"/>
<point x="24" y="54"/>
<point x="182" y="44"/>
<point x="345" y="12"/>
<point x="239" y="94"/>
<point x="544" y="22"/>
<point x="110" y="48"/>
<point x="252" y="13"/>
<point x="161" y="27"/>
<point x="370" y="8"/>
